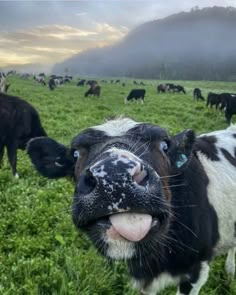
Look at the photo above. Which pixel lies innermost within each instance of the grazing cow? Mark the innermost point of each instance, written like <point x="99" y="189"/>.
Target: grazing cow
<point x="19" y="122"/>
<point x="170" y="86"/>
<point x="136" y="94"/>
<point x="197" y="94"/>
<point x="213" y="99"/>
<point x="94" y="90"/>
<point x="66" y="80"/>
<point x="162" y="88"/>
<point x="40" y="80"/>
<point x="51" y="84"/>
<point x="81" y="82"/>
<point x="224" y="99"/>
<point x="91" y="82"/>
<point x="164" y="204"/>
<point x="230" y="108"/>
<point x="11" y="73"/>
<point x="179" y="88"/>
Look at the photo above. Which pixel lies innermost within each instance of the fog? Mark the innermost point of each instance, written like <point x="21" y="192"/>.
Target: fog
<point x="194" y="45"/>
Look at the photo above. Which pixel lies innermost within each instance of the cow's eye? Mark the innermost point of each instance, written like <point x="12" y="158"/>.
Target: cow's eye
<point x="76" y="154"/>
<point x="164" y="146"/>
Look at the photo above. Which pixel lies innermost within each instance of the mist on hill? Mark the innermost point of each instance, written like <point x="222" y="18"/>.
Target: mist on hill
<point x="195" y="45"/>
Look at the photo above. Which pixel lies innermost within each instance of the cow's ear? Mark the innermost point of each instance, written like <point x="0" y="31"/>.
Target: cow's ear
<point x="50" y="158"/>
<point x="181" y="149"/>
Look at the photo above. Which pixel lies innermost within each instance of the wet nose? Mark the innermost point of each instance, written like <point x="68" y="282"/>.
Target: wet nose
<point x="118" y="170"/>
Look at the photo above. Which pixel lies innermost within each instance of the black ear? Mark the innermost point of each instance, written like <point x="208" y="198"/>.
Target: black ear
<point x="50" y="158"/>
<point x="181" y="149"/>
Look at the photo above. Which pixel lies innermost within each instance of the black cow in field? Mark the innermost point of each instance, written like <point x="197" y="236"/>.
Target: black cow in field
<point x="213" y="99"/>
<point x="136" y="94"/>
<point x="224" y="99"/>
<point x="81" y="82"/>
<point x="19" y="122"/>
<point x="91" y="82"/>
<point x="197" y="94"/>
<point x="164" y="204"/>
<point x="51" y="84"/>
<point x="94" y="90"/>
<point x="178" y="88"/>
<point x="230" y="107"/>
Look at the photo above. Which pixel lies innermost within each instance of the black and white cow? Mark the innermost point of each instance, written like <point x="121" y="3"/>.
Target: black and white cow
<point x="19" y="122"/>
<point x="164" y="204"/>
<point x="40" y="79"/>
<point x="3" y="83"/>
<point x="94" y="90"/>
<point x="137" y="94"/>
<point x="162" y="88"/>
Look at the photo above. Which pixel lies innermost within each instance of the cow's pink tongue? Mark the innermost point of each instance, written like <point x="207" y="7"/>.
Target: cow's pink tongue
<point x="131" y="226"/>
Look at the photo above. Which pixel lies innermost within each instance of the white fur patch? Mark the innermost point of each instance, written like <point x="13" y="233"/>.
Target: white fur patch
<point x="222" y="188"/>
<point x="119" y="249"/>
<point x="203" y="276"/>
<point x="164" y="280"/>
<point x="117" y="127"/>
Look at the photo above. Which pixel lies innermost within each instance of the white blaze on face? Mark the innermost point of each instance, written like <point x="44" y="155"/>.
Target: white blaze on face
<point x="132" y="226"/>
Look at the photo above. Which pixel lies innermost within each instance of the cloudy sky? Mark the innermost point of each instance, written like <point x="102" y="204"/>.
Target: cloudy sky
<point x="47" y="32"/>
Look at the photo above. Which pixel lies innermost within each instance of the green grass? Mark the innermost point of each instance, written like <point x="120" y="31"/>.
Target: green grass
<point x="40" y="250"/>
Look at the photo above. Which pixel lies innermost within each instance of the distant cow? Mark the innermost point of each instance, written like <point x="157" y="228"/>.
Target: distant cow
<point x="224" y="99"/>
<point x="197" y="94"/>
<point x="91" y="82"/>
<point x="51" y="84"/>
<point x="3" y="84"/>
<point x="40" y="80"/>
<point x="81" y="82"/>
<point x="179" y="88"/>
<point x="136" y="94"/>
<point x="94" y="90"/>
<point x="213" y="99"/>
<point x="230" y="108"/>
<point x="19" y="122"/>
<point x="162" y="88"/>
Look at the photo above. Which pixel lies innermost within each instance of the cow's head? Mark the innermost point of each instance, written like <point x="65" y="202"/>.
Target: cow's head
<point x="122" y="172"/>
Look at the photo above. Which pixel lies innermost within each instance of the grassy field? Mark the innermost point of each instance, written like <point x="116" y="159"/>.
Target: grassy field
<point x="40" y="250"/>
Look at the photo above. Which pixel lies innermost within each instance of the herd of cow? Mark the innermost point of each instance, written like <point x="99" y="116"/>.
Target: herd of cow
<point x="164" y="204"/>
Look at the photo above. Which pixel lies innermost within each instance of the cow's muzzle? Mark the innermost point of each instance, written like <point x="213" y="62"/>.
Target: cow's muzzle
<point x="117" y="172"/>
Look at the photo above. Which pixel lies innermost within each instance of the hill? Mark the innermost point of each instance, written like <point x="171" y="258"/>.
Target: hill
<point x="195" y="45"/>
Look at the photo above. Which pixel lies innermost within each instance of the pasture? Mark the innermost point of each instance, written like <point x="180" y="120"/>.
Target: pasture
<point x="40" y="250"/>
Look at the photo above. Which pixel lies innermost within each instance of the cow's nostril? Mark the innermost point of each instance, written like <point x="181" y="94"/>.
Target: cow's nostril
<point x="87" y="183"/>
<point x="140" y="177"/>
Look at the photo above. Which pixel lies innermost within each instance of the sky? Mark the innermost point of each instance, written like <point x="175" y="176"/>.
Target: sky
<point x="47" y="32"/>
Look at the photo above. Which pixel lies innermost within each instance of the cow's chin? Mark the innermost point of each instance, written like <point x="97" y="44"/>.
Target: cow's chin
<point x="119" y="248"/>
<point x="114" y="246"/>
